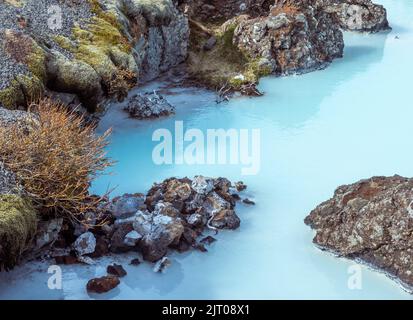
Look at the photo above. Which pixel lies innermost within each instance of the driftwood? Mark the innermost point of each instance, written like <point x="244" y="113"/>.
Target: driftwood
<point x="250" y="89"/>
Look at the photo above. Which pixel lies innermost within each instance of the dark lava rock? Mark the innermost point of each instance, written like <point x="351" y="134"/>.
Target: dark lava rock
<point x="127" y="205"/>
<point x="370" y="221"/>
<point x="240" y="186"/>
<point x="117" y="242"/>
<point x="226" y="219"/>
<point x="177" y="212"/>
<point x="68" y="259"/>
<point x="208" y="240"/>
<point x="102" y="247"/>
<point x="248" y="201"/>
<point x="135" y="262"/>
<point x="149" y="106"/>
<point x="103" y="284"/>
<point x="116" y="270"/>
<point x="200" y="247"/>
<point x="210" y="43"/>
<point x="236" y="197"/>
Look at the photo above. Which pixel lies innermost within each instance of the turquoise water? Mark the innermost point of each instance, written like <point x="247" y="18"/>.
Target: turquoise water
<point x="318" y="131"/>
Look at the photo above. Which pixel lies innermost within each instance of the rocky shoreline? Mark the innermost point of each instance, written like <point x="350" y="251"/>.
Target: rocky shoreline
<point x="103" y="48"/>
<point x="175" y="215"/>
<point x="107" y="47"/>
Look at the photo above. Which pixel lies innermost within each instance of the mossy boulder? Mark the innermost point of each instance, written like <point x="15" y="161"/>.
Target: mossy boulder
<point x="98" y="54"/>
<point x="22" y="90"/>
<point x="18" y="223"/>
<point x="74" y="76"/>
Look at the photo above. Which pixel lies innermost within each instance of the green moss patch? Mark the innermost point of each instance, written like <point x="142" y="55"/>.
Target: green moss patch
<point x="224" y="65"/>
<point x="18" y="223"/>
<point x="21" y="91"/>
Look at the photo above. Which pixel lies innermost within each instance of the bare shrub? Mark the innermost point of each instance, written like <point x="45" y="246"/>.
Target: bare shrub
<point x="120" y="84"/>
<point x="55" y="157"/>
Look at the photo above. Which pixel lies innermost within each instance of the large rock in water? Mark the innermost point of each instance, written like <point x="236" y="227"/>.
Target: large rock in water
<point x="291" y="39"/>
<point x="370" y="221"/>
<point x="103" y="284"/>
<point x="149" y="105"/>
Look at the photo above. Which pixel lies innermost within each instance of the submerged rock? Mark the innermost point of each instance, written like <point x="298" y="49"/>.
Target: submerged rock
<point x="103" y="284"/>
<point x="370" y="221"/>
<point x="135" y="262"/>
<point x="248" y="201"/>
<point x="149" y="106"/>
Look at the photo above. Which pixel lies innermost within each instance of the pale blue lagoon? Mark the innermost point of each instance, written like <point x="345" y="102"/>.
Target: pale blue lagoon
<point x="320" y="130"/>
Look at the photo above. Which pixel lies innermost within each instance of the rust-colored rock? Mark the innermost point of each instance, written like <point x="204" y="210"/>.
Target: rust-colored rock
<point x="370" y="221"/>
<point x="103" y="284"/>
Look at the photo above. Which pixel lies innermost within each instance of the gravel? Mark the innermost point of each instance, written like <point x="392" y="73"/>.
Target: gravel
<point x="35" y="13"/>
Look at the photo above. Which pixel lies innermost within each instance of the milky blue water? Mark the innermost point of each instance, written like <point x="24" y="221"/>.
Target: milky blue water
<point x="318" y="131"/>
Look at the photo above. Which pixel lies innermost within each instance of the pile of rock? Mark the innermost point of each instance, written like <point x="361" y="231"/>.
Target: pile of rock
<point x="174" y="215"/>
<point x="370" y="221"/>
<point x="148" y="106"/>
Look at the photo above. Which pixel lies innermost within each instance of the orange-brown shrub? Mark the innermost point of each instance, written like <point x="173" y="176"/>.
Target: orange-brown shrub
<point x="55" y="156"/>
<point x="121" y="82"/>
